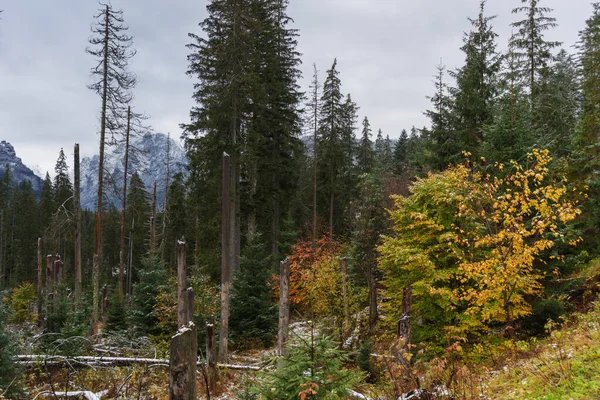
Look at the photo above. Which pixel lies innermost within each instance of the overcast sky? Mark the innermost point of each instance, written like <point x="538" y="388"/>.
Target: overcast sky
<point x="386" y="49"/>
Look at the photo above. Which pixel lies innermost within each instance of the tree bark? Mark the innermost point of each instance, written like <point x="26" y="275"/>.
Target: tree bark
<point x="153" y="223"/>
<point x="124" y="205"/>
<point x="77" y="216"/>
<point x="182" y="312"/>
<point x="40" y="282"/>
<point x="164" y="216"/>
<point x="225" y="258"/>
<point x="211" y="354"/>
<point x="97" y="255"/>
<point x="182" y="364"/>
<point x="284" y="307"/>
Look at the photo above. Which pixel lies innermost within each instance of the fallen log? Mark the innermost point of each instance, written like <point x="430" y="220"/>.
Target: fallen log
<point x="82" y="393"/>
<point x="30" y="359"/>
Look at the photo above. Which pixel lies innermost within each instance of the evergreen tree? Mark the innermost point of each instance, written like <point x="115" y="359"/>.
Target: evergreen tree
<point x="47" y="204"/>
<point x="332" y="155"/>
<point x="63" y="190"/>
<point x="509" y="136"/>
<point x="24" y="232"/>
<point x="444" y="144"/>
<point x="365" y="154"/>
<point x="253" y="312"/>
<point x="224" y="64"/>
<point x="8" y="369"/>
<point x="476" y="82"/>
<point x="400" y="150"/>
<point x="138" y="217"/>
<point x="529" y="45"/>
<point x="557" y="106"/>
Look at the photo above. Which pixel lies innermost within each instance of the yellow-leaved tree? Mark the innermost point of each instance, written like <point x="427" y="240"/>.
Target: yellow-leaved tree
<point x="468" y="240"/>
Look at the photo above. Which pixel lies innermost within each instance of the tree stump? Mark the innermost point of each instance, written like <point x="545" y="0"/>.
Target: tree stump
<point x="182" y="364"/>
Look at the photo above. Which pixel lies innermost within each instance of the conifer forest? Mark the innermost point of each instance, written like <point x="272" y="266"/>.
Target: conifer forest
<point x="288" y="248"/>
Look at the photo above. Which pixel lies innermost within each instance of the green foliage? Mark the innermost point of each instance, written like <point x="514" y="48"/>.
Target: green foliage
<point x="253" y="312"/>
<point x="116" y="317"/>
<point x="153" y="279"/>
<point x="8" y="349"/>
<point x="363" y="360"/>
<point x="313" y="368"/>
<point x="20" y="300"/>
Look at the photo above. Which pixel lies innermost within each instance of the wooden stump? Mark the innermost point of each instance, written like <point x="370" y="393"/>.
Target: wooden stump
<point x="211" y="354"/>
<point x="182" y="364"/>
<point x="284" y="307"/>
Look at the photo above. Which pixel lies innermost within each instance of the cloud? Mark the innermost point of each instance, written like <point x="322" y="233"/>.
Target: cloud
<point x="386" y="49"/>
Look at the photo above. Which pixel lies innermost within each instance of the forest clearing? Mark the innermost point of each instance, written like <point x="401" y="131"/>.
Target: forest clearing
<point x="280" y="249"/>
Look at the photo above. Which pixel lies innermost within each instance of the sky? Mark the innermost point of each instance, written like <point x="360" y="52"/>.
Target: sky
<point x="387" y="51"/>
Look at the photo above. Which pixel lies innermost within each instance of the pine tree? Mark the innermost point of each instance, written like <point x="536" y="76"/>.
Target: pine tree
<point x="24" y="232"/>
<point x="476" y="82"/>
<point x="365" y="154"/>
<point x="111" y="47"/>
<point x="529" y="45"/>
<point x="8" y="350"/>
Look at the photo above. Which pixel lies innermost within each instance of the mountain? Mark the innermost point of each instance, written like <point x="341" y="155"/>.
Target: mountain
<point x="19" y="171"/>
<point x="147" y="156"/>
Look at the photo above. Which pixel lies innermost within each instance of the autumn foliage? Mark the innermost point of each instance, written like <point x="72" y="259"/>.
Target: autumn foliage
<point x="471" y="239"/>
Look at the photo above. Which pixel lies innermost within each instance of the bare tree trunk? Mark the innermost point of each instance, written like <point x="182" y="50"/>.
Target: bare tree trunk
<point x="211" y="354"/>
<point x="331" y="214"/>
<point x="153" y="223"/>
<point x="164" y="216"/>
<point x="40" y="283"/>
<point x="124" y="205"/>
<point x="284" y="307"/>
<point x="315" y="121"/>
<point x="182" y="314"/>
<point x="344" y="265"/>
<point x="225" y="259"/>
<point x="97" y="255"/>
<point x="182" y="364"/>
<point x="77" y="216"/>
<point x="49" y="275"/>
<point x="404" y="329"/>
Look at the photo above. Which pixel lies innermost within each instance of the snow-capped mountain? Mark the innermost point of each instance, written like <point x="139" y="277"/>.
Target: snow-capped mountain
<point x="20" y="172"/>
<point x="147" y="157"/>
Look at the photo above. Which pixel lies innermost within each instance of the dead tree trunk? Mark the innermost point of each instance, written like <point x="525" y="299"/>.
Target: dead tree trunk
<point x="211" y="354"/>
<point x="40" y="282"/>
<point x="58" y="270"/>
<point x="372" y="284"/>
<point x="182" y="312"/>
<point x="225" y="258"/>
<point x="184" y="345"/>
<point x="163" y="244"/>
<point x="344" y="263"/>
<point x="404" y="331"/>
<point x="77" y="217"/>
<point x="284" y="307"/>
<point x="182" y="364"/>
<point x="124" y="205"/>
<point x="49" y="275"/>
<point x="153" y="223"/>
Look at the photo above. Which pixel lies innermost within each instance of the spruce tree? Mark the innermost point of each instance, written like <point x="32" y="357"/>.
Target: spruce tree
<point x="444" y="144"/>
<point x="365" y="154"/>
<point x="529" y="45"/>
<point x="47" y="203"/>
<point x="138" y="217"/>
<point x="63" y="189"/>
<point x="111" y="47"/>
<point x="400" y="151"/>
<point x="476" y="82"/>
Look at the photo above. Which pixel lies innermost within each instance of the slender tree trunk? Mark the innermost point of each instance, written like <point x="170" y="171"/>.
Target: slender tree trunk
<point x="153" y="223"/>
<point x="77" y="216"/>
<point x="124" y="205"/>
<point x="284" y="307"/>
<point x="40" y="283"/>
<point x="225" y="259"/>
<point x="372" y="283"/>
<point x="182" y="312"/>
<point x="331" y="214"/>
<point x="164" y="216"/>
<point x="97" y="255"/>
<point x="315" y="122"/>
<point x="211" y="354"/>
